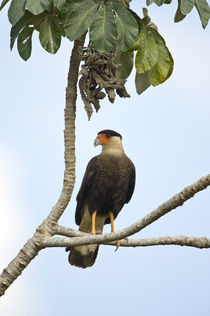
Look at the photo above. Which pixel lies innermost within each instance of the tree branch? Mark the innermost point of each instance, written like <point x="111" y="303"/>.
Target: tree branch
<point x="197" y="242"/>
<point x="34" y="245"/>
<point x="69" y="132"/>
<point x="171" y="204"/>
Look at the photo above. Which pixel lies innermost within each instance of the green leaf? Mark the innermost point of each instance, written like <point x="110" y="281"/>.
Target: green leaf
<point x="137" y="18"/>
<point x="50" y="36"/>
<point x="4" y="2"/>
<point x="24" y="42"/>
<point x="164" y="66"/>
<point x="142" y="82"/>
<point x="59" y="3"/>
<point x="203" y="11"/>
<point x="152" y="25"/>
<point x="15" y="30"/>
<point x="59" y="26"/>
<point x="147" y="54"/>
<point x="37" y="6"/>
<point x="77" y="16"/>
<point x="127" y="26"/>
<point x="159" y="2"/>
<point x="16" y="11"/>
<point x="27" y="19"/>
<point x="103" y="30"/>
<point x="125" y="62"/>
<point x="179" y="16"/>
<point x="140" y="42"/>
<point x="186" y="6"/>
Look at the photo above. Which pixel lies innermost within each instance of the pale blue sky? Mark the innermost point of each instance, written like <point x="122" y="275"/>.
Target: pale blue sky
<point x="165" y="132"/>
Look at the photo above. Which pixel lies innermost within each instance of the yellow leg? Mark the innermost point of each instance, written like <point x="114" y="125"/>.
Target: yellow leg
<point x="111" y="215"/>
<point x="93" y="231"/>
<point x="117" y="245"/>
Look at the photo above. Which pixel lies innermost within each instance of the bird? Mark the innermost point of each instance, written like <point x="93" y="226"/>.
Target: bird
<point x="108" y="184"/>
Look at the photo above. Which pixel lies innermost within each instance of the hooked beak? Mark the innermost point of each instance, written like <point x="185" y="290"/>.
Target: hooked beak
<point x="97" y="142"/>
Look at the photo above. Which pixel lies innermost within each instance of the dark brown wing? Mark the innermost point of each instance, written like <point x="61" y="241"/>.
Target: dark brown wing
<point x="83" y="191"/>
<point x="131" y="184"/>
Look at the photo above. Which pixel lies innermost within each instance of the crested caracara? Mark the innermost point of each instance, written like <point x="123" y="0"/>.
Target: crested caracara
<point x="107" y="185"/>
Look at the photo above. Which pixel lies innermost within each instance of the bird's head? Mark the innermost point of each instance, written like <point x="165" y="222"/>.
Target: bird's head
<point x="108" y="138"/>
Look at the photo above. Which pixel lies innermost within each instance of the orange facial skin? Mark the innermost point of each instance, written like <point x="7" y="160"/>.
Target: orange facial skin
<point x="103" y="139"/>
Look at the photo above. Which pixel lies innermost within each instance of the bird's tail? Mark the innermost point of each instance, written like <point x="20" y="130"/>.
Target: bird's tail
<point x="85" y="256"/>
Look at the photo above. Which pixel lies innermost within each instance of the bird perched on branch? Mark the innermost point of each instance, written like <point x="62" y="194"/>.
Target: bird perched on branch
<point x="107" y="185"/>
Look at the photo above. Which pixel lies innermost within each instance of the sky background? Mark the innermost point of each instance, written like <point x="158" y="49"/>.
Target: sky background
<point x="166" y="134"/>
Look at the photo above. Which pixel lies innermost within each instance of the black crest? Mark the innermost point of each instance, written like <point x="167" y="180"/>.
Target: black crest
<point x="110" y="133"/>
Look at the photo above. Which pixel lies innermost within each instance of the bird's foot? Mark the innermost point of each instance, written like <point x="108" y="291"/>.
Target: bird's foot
<point x="96" y="232"/>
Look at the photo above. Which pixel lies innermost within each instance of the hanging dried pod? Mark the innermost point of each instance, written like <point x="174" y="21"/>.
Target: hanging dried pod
<point x="97" y="74"/>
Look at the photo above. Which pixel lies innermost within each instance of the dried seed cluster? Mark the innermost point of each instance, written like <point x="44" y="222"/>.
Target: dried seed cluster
<point x="99" y="72"/>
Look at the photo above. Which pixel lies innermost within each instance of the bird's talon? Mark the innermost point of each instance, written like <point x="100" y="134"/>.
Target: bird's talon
<point x="117" y="245"/>
<point x="96" y="232"/>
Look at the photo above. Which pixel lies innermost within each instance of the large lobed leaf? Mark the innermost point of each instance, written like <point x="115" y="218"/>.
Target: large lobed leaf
<point x="154" y="63"/>
<point x="164" y="66"/>
<point x="15" y="30"/>
<point x="24" y="42"/>
<point x="16" y="11"/>
<point x="203" y="11"/>
<point x="26" y="20"/>
<point x="49" y="35"/>
<point x="147" y="54"/>
<point x="142" y="82"/>
<point x="103" y="30"/>
<point x="179" y="16"/>
<point x="18" y="7"/>
<point x="186" y="6"/>
<point x="37" y="6"/>
<point x="125" y="64"/>
<point x="127" y="26"/>
<point x="77" y="16"/>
